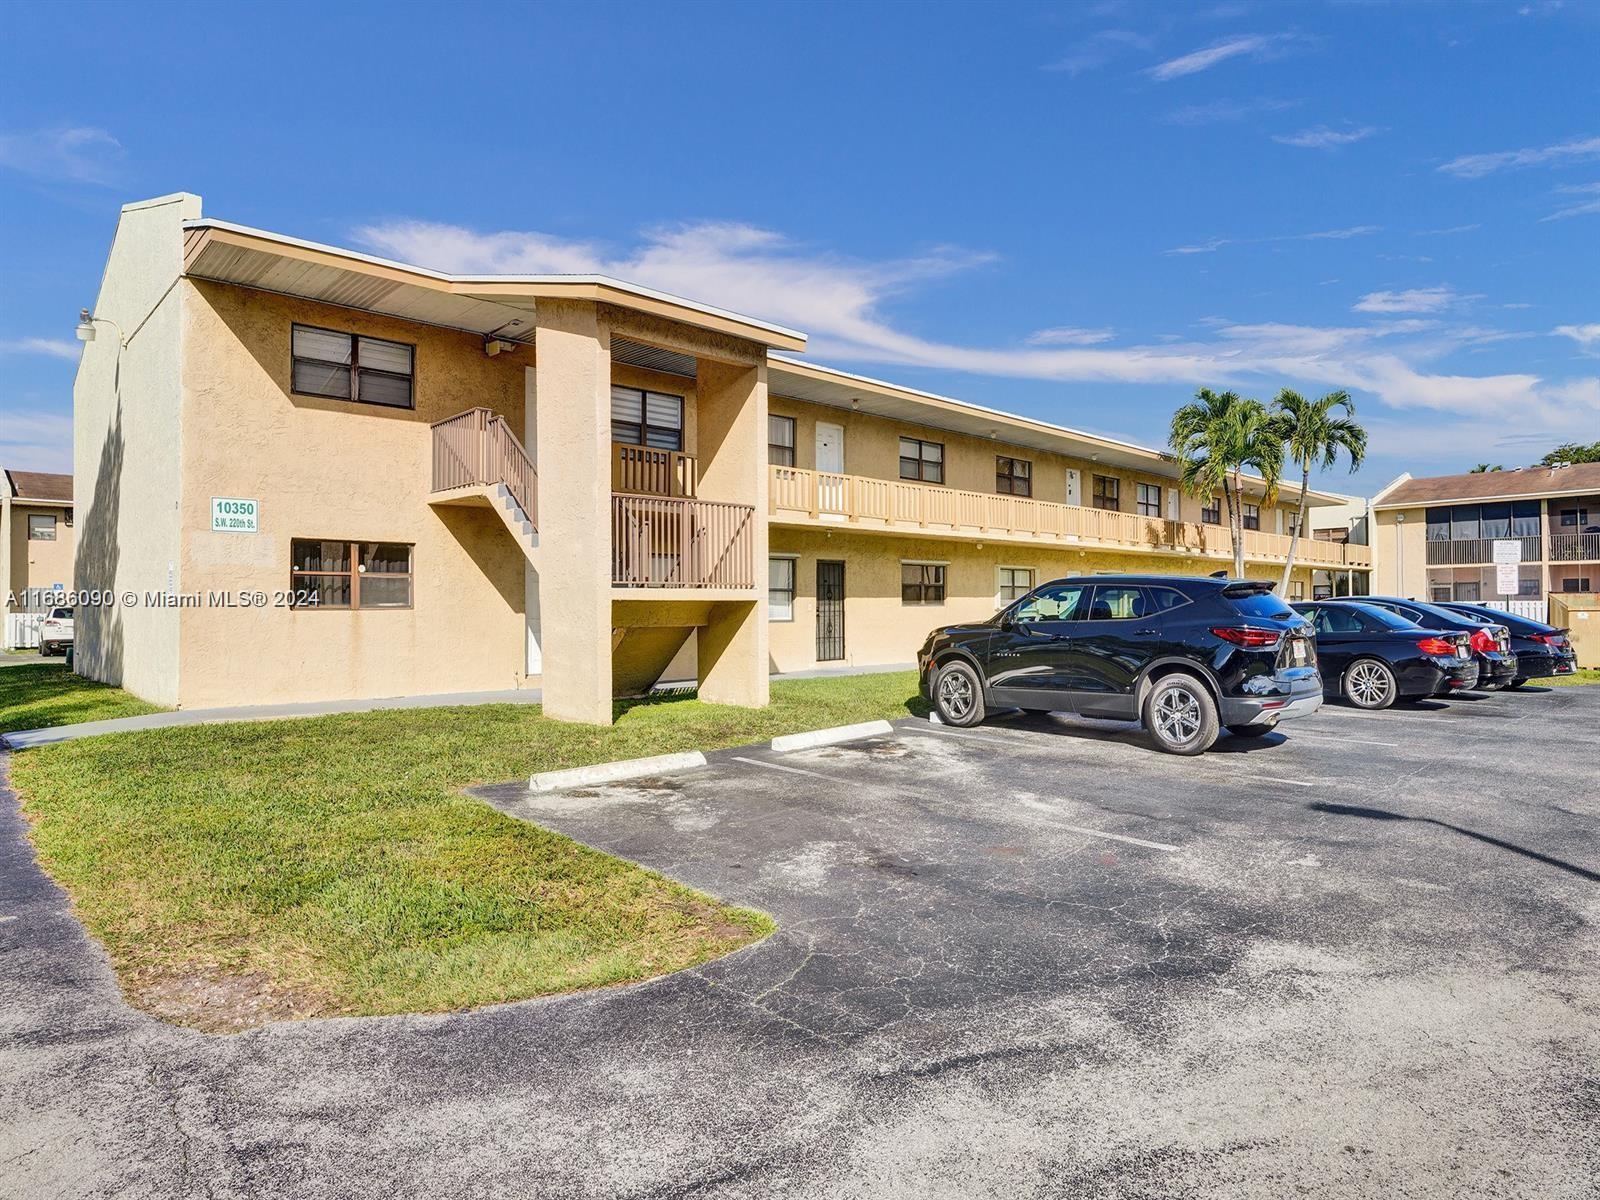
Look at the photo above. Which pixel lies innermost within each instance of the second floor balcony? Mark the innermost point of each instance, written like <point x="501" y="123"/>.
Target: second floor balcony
<point x="920" y="509"/>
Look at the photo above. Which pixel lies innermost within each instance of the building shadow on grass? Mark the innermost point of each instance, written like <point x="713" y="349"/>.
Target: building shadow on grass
<point x="1384" y="814"/>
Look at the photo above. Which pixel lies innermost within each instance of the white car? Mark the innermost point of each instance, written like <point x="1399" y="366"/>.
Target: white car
<point x="55" y="632"/>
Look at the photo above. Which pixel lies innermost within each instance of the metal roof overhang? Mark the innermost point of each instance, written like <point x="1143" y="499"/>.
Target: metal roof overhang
<point x="502" y="306"/>
<point x="840" y="389"/>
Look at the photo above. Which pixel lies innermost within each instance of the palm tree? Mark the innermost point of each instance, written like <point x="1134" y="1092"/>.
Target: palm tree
<point x="1313" y="432"/>
<point x="1217" y="438"/>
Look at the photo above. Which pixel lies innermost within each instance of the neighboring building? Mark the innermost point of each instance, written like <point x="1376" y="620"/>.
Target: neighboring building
<point x="1348" y="523"/>
<point x="36" y="541"/>
<point x="1435" y="538"/>
<point x="563" y="481"/>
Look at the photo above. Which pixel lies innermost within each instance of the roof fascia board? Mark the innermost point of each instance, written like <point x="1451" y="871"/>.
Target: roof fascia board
<point x="570" y="287"/>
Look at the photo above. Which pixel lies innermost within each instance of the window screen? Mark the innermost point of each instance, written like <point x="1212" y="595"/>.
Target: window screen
<point x="921" y="583"/>
<point x="780" y="589"/>
<point x="780" y="441"/>
<point x="642" y="418"/>
<point x="346" y="366"/>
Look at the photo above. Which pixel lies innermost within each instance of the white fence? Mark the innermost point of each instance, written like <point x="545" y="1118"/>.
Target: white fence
<point x="1533" y="610"/>
<point x="22" y="630"/>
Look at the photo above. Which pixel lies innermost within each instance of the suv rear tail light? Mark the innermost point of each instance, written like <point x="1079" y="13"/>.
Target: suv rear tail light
<point x="1483" y="642"/>
<point x="1437" y="645"/>
<point x="1244" y="635"/>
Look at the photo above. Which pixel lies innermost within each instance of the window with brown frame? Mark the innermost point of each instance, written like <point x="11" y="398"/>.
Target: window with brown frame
<point x="1211" y="511"/>
<point x="325" y="573"/>
<point x="1147" y="499"/>
<point x="347" y="366"/>
<point x="780" y="440"/>
<point x="1108" y="492"/>
<point x="921" y="460"/>
<point x="1252" y="516"/>
<point x="641" y="418"/>
<point x="1013" y="476"/>
<point x="921" y="583"/>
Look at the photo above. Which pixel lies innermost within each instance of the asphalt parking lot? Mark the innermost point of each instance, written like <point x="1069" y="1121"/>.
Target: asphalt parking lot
<point x="1035" y="958"/>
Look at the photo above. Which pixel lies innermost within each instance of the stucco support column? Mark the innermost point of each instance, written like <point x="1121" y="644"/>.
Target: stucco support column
<point x="572" y="380"/>
<point x="732" y="442"/>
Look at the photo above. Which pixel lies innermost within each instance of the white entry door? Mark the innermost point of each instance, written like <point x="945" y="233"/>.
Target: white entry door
<point x="830" y="468"/>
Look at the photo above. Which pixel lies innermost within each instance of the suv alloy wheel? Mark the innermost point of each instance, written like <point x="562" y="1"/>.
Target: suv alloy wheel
<point x="958" y="694"/>
<point x="1180" y="715"/>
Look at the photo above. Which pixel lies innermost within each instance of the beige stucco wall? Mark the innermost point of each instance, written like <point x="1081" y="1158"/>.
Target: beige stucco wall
<point x="36" y="563"/>
<point x="332" y="469"/>
<point x="880" y="629"/>
<point x="1400" y="552"/>
<point x="127" y="446"/>
<point x="872" y="449"/>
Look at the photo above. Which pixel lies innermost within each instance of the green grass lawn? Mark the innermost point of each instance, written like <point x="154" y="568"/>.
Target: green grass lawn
<point x="37" y="695"/>
<point x="251" y="872"/>
<point x="1583" y="675"/>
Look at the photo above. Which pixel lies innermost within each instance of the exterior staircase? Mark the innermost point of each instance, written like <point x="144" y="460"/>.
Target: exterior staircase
<point x="478" y="460"/>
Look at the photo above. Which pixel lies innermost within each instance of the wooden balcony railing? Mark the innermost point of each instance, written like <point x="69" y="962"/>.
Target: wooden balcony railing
<point x="677" y="543"/>
<point x="477" y="449"/>
<point x="646" y="471"/>
<point x="1468" y="552"/>
<point x="1575" y="547"/>
<point x="902" y="505"/>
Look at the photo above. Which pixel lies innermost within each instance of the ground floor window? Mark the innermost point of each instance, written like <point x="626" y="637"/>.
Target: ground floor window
<point x="338" y="574"/>
<point x="1015" y="583"/>
<point x="921" y="583"/>
<point x="780" y="589"/>
<point x="1297" y="589"/>
<point x="1575" y="583"/>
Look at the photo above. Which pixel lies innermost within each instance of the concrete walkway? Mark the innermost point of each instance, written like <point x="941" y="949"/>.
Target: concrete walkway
<point x="25" y="739"/>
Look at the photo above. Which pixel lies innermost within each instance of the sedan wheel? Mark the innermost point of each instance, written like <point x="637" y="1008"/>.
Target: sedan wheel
<point x="958" y="695"/>
<point x="1369" y="684"/>
<point x="1180" y="715"/>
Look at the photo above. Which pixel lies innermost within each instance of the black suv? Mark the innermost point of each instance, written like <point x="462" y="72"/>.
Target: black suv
<point x="1183" y="655"/>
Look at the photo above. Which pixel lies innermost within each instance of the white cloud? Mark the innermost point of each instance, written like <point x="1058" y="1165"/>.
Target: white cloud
<point x="1452" y="229"/>
<point x="1587" y="336"/>
<point x="1215" y="112"/>
<point x="1320" y="235"/>
<point x="1583" y="208"/>
<point x="1424" y="300"/>
<point x="1253" y="45"/>
<point x="841" y="303"/>
<point x="1324" y="138"/>
<point x="1097" y="50"/>
<point x="1476" y="166"/>
<point x="78" y="155"/>
<point x="35" y="441"/>
<point x="53" y="347"/>
<point x="1069" y="335"/>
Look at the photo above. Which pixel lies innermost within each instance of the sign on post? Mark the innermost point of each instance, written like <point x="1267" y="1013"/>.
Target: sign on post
<point x="1507" y="558"/>
<point x="229" y="514"/>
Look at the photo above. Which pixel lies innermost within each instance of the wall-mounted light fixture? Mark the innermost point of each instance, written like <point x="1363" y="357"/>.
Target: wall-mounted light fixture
<point x="87" y="323"/>
<point x="494" y="346"/>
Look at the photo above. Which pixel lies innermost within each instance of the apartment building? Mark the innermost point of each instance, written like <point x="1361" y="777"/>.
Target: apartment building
<point x="324" y="475"/>
<point x="1437" y="537"/>
<point x="36" y="545"/>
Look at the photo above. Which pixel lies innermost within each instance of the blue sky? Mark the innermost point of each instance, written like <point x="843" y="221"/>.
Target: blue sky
<point x="1078" y="212"/>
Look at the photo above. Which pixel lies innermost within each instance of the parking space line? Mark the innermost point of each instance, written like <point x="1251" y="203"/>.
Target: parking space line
<point x="771" y="766"/>
<point x="1335" y="737"/>
<point x="1275" y="779"/>
<point x="1010" y="743"/>
<point x="1118" y="837"/>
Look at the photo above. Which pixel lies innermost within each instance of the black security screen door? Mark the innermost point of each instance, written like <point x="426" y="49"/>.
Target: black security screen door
<point x="830" y="611"/>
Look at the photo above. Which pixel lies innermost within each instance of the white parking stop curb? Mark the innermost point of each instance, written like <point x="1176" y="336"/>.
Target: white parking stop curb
<point x="828" y="737"/>
<point x="613" y="772"/>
